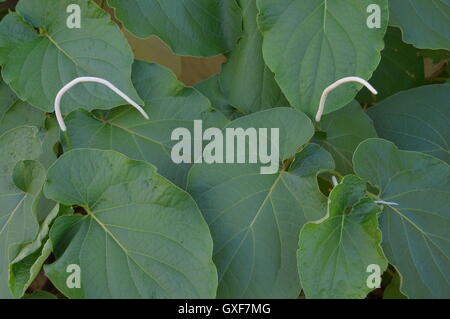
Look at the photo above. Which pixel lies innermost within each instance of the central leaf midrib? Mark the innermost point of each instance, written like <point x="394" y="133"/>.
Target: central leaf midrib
<point x="125" y="250"/>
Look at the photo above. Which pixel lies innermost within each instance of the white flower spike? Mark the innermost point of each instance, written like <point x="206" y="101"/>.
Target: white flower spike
<point x="74" y="82"/>
<point x="333" y="86"/>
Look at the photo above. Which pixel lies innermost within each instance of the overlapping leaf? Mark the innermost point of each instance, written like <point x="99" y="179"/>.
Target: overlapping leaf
<point x="425" y="23"/>
<point x="416" y="120"/>
<point x="401" y="68"/>
<point x="335" y="252"/>
<point x="213" y="91"/>
<point x="28" y="263"/>
<point x="169" y="104"/>
<point x="311" y="44"/>
<point x="18" y="223"/>
<point x="37" y="64"/>
<point x="142" y="237"/>
<point x="342" y="131"/>
<point x="415" y="232"/>
<point x="190" y="27"/>
<point x="15" y="113"/>
<point x="255" y="219"/>
<point x="247" y="82"/>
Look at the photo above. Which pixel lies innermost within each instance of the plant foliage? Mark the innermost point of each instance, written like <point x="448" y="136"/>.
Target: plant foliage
<point x="367" y="186"/>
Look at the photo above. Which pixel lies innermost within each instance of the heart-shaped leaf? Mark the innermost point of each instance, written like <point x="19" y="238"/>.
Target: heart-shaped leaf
<point x="141" y="237"/>
<point x="311" y="44"/>
<point x="169" y="104"/>
<point x="247" y="82"/>
<point x="255" y="219"/>
<point x="190" y="27"/>
<point x="416" y="239"/>
<point x="335" y="253"/>
<point x="416" y="120"/>
<point x="38" y="64"/>
<point x="425" y="23"/>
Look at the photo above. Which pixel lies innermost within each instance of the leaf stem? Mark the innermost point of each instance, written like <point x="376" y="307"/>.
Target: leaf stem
<point x="66" y="136"/>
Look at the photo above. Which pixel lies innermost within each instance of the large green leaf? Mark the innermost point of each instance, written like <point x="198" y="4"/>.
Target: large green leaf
<point x="425" y="23"/>
<point x="416" y="120"/>
<point x="247" y="82"/>
<point x="401" y="68"/>
<point x="341" y="132"/>
<point x="189" y="27"/>
<point x="416" y="239"/>
<point x="335" y="252"/>
<point x="169" y="104"/>
<point x="142" y="236"/>
<point x="18" y="223"/>
<point x="311" y="44"/>
<point x="38" y="64"/>
<point x="255" y="219"/>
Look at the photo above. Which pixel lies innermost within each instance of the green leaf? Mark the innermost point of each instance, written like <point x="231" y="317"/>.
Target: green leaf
<point x="212" y="90"/>
<point x="37" y="65"/>
<point x="255" y="219"/>
<point x="247" y="82"/>
<point x="169" y="104"/>
<point x="50" y="137"/>
<point x="392" y="291"/>
<point x="401" y="68"/>
<point x="15" y="113"/>
<point x="28" y="263"/>
<point x="311" y="44"/>
<point x="190" y="27"/>
<point x="416" y="120"/>
<point x="18" y="223"/>
<point x="335" y="252"/>
<point x="424" y="23"/>
<point x="342" y="131"/>
<point x="142" y="237"/>
<point x="415" y="232"/>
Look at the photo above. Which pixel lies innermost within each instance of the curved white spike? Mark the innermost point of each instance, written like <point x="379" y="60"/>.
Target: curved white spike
<point x="327" y="91"/>
<point x="74" y="82"/>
